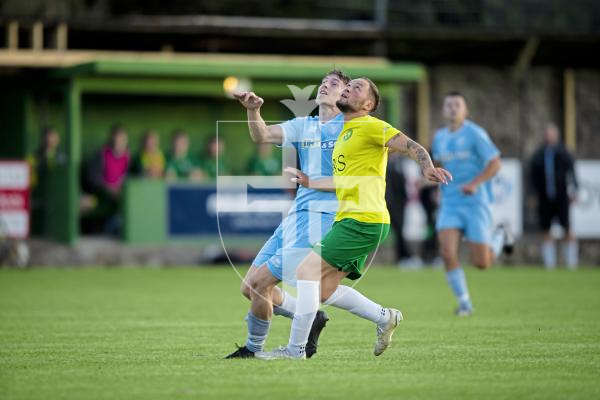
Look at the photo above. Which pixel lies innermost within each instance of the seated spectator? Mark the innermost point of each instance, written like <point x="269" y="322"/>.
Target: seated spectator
<point x="150" y="161"/>
<point x="103" y="180"/>
<point x="115" y="161"/>
<point x="46" y="159"/>
<point x="215" y="148"/>
<point x="181" y="164"/>
<point x="265" y="161"/>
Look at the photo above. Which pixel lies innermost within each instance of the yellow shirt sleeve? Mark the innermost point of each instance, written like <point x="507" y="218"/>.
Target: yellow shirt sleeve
<point x="382" y="132"/>
<point x="389" y="132"/>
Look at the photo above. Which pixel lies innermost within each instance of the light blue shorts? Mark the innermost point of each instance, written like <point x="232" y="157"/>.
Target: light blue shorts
<point x="292" y="242"/>
<point x="475" y="221"/>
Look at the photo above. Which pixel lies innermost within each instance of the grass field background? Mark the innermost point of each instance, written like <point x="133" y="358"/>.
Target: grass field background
<point x="161" y="334"/>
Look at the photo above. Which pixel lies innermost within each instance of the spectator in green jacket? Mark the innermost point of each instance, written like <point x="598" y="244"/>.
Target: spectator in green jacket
<point x="214" y="155"/>
<point x="181" y="165"/>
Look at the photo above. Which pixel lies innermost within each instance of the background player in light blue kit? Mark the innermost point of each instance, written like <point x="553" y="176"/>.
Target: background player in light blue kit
<point x="466" y="151"/>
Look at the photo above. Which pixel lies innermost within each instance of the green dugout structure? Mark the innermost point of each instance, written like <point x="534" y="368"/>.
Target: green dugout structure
<point x="185" y="77"/>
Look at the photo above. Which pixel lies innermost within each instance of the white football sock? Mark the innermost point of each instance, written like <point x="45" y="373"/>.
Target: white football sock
<point x="549" y="254"/>
<point x="287" y="308"/>
<point x="352" y="300"/>
<point x="571" y="252"/>
<point x="307" y="306"/>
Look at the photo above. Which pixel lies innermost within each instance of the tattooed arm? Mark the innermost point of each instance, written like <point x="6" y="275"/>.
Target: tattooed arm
<point x="405" y="145"/>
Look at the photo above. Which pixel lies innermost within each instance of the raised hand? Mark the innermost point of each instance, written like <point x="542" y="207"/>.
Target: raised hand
<point x="438" y="175"/>
<point x="249" y="100"/>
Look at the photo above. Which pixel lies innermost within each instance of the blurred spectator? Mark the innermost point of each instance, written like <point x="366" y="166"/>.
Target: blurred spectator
<point x="396" y="198"/>
<point x="115" y="161"/>
<point x="47" y="156"/>
<point x="553" y="179"/>
<point x="264" y="161"/>
<point x="103" y="181"/>
<point x="150" y="160"/>
<point x="46" y="159"/>
<point x="215" y="148"/>
<point x="181" y="164"/>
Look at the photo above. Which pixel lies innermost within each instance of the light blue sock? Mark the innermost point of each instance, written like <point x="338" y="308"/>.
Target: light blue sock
<point x="458" y="284"/>
<point x="278" y="310"/>
<point x="258" y="329"/>
<point x="497" y="242"/>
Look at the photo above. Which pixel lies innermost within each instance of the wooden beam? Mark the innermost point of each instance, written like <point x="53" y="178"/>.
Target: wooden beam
<point x="570" y="110"/>
<point x="37" y="36"/>
<point x="73" y="116"/>
<point x="61" y="37"/>
<point x="423" y="111"/>
<point x="524" y="59"/>
<point x="12" y="35"/>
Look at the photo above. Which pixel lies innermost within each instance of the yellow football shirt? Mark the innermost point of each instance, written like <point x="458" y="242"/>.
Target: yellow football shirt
<point x="359" y="165"/>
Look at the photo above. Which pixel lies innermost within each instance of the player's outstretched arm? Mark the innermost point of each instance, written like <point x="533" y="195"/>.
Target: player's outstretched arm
<point x="299" y="177"/>
<point x="404" y="145"/>
<point x="260" y="132"/>
<point x="490" y="170"/>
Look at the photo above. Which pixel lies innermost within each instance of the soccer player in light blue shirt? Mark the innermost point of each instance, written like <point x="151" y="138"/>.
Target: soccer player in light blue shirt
<point x="467" y="152"/>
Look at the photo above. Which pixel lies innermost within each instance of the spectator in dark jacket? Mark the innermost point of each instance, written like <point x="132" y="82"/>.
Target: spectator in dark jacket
<point x="48" y="157"/>
<point x="554" y="181"/>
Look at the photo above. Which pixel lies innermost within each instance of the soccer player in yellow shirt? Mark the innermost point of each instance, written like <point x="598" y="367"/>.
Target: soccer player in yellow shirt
<point x="362" y="220"/>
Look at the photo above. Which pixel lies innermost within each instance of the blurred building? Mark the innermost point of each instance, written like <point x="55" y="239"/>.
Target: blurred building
<point x="520" y="64"/>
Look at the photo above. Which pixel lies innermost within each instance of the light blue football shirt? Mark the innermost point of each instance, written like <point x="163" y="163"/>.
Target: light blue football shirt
<point x="314" y="142"/>
<point x="464" y="153"/>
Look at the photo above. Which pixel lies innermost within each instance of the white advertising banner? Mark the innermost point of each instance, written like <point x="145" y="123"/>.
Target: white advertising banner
<point x="507" y="187"/>
<point x="585" y="212"/>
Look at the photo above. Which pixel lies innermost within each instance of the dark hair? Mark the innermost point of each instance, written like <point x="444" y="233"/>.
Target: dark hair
<point x="146" y="135"/>
<point x="340" y="74"/>
<point x="455" y="93"/>
<point x="178" y="133"/>
<point x="45" y="133"/>
<point x="114" y="131"/>
<point x="373" y="92"/>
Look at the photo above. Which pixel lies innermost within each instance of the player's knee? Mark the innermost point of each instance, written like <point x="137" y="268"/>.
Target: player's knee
<point x="245" y="289"/>
<point x="482" y="262"/>
<point x="258" y="286"/>
<point x="262" y="287"/>
<point x="326" y="293"/>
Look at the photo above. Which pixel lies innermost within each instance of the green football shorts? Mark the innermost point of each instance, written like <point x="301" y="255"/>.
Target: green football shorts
<point x="349" y="242"/>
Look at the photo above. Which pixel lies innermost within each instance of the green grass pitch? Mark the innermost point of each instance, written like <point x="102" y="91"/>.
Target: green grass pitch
<point x="161" y="334"/>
